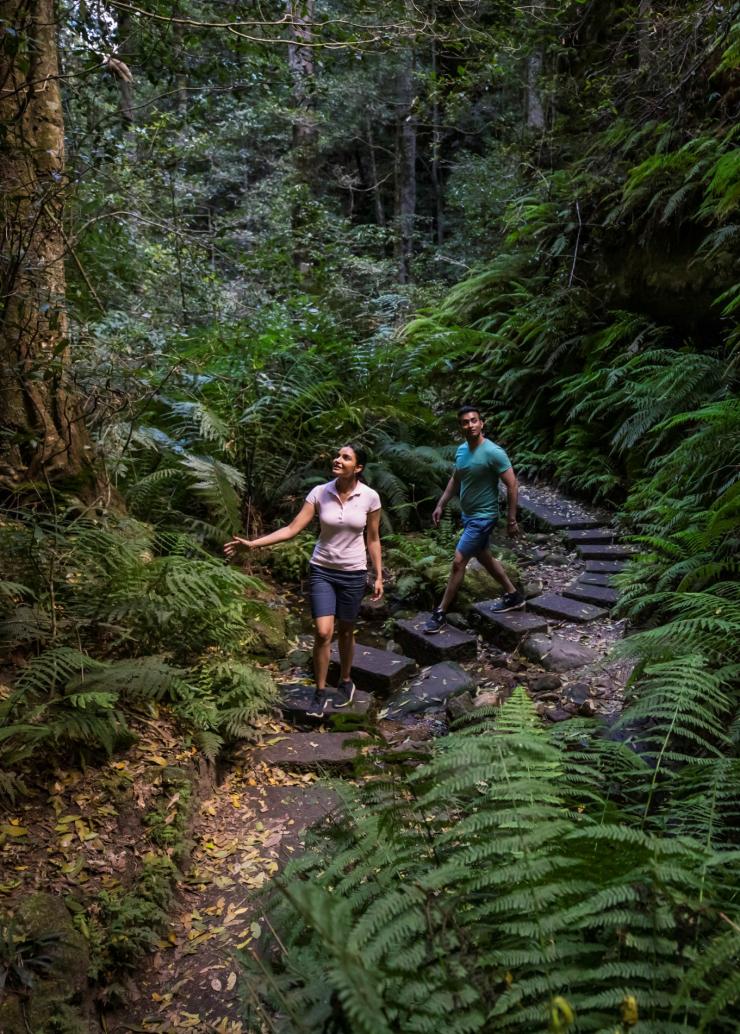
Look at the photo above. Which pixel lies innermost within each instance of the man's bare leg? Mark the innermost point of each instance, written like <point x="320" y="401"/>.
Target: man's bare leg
<point x="496" y="570"/>
<point x="455" y="580"/>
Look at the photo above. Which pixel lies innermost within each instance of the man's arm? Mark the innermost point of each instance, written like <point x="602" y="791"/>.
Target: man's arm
<point x="453" y="487"/>
<point x="512" y="494"/>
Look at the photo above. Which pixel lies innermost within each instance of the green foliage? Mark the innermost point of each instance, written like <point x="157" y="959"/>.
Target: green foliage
<point x="497" y="880"/>
<point x="24" y="957"/>
<point x="123" y="618"/>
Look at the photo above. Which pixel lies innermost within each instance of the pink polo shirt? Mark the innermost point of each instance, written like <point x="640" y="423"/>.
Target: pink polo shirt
<point x="341" y="544"/>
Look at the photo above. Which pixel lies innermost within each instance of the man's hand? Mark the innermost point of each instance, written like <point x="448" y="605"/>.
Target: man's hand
<point x="436" y="516"/>
<point x="231" y="547"/>
<point x="512" y="528"/>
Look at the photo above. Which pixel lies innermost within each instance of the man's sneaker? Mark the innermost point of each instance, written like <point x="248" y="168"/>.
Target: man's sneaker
<point x="347" y="690"/>
<point x="436" y="622"/>
<point x="509" y="601"/>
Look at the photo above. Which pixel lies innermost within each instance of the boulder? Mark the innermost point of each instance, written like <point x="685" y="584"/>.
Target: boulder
<point x="459" y="706"/>
<point x="54" y="994"/>
<point x="488" y="698"/>
<point x="431" y="689"/>
<point x="269" y="631"/>
<point x="557" y="654"/>
<point x="545" y="683"/>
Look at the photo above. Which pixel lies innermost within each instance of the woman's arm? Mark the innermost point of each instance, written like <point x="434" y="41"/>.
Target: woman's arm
<point x="373" y="548"/>
<point x="301" y="520"/>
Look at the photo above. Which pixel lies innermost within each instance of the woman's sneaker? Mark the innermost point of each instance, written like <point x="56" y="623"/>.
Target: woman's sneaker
<point x="436" y="622"/>
<point x="347" y="689"/>
<point x="509" y="601"/>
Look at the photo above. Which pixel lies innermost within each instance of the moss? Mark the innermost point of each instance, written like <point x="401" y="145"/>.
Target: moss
<point x="51" y="1007"/>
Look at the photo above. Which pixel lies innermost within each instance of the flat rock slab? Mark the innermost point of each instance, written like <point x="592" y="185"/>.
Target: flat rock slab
<point x="615" y="552"/>
<point x="563" y="609"/>
<point x="431" y="689"/>
<point x="557" y="515"/>
<point x="298" y="704"/>
<point x="587" y="578"/>
<point x="604" y="566"/>
<point x="557" y="654"/>
<point x="590" y="536"/>
<point x="311" y="749"/>
<point x="446" y="645"/>
<point x="376" y="671"/>
<point x="599" y="595"/>
<point x="506" y="629"/>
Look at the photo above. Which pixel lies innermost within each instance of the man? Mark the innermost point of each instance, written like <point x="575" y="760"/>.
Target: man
<point x="478" y="466"/>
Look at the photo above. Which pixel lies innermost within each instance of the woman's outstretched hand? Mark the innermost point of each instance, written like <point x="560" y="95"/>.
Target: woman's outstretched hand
<point x="231" y="547"/>
<point x="377" y="589"/>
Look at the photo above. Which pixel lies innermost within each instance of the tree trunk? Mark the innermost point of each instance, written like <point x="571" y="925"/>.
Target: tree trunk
<point x="305" y="128"/>
<point x="406" y="169"/>
<point x="535" y="105"/>
<point x="124" y="52"/>
<point x="375" y="185"/>
<point x="42" y="435"/>
<point x="439" y="229"/>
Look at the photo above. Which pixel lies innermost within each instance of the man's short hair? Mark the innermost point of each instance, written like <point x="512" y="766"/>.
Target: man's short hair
<point x="468" y="409"/>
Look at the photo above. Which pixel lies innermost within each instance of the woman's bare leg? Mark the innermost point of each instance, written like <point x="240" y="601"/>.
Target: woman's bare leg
<point x="346" y="640"/>
<point x="324" y="630"/>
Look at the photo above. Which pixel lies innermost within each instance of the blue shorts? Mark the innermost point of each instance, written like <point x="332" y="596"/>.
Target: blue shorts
<point x="335" y="593"/>
<point x="476" y="535"/>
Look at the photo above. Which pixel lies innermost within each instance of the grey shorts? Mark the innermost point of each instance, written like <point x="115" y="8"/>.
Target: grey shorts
<point x="335" y="593"/>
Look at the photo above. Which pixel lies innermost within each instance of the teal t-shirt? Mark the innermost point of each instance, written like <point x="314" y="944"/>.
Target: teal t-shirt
<point x="479" y="471"/>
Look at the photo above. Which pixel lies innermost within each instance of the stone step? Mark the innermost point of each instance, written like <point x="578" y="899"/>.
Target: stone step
<point x="615" y="552"/>
<point x="599" y="595"/>
<point x="311" y="750"/>
<point x="376" y="671"/>
<point x="508" y="629"/>
<point x="299" y="706"/>
<point x="590" y="536"/>
<point x="604" y="566"/>
<point x="586" y="578"/>
<point x="431" y="689"/>
<point x="563" y="609"/>
<point x="448" y="644"/>
<point x="557" y="515"/>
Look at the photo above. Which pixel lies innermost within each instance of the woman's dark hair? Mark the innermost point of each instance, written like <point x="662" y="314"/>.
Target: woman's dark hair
<point x="360" y="453"/>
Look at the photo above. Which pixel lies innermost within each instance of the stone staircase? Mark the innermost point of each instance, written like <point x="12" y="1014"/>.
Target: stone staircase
<point x="433" y="670"/>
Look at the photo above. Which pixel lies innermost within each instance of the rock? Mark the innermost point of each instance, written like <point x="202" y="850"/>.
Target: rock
<point x="311" y="749"/>
<point x="431" y="689"/>
<point x="545" y="683"/>
<point x="507" y="629"/>
<point x="269" y="629"/>
<point x="376" y="671"/>
<point x="557" y="714"/>
<point x="587" y="709"/>
<point x="374" y="610"/>
<point x="514" y="665"/>
<point x="299" y="705"/>
<point x="299" y="658"/>
<point x="447" y="644"/>
<point x="488" y="698"/>
<point x="531" y="589"/>
<point x="556" y="560"/>
<point x="459" y="706"/>
<point x="393" y="647"/>
<point x="456" y="619"/>
<point x="53" y="992"/>
<point x="578" y="693"/>
<point x="557" y="654"/>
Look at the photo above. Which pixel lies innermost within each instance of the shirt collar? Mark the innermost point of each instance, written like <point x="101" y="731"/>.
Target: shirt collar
<point x="334" y="490"/>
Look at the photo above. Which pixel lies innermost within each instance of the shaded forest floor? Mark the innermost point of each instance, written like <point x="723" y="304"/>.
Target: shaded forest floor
<point x="231" y="828"/>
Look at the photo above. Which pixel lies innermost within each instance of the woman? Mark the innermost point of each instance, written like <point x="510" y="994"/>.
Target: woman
<point x="338" y="568"/>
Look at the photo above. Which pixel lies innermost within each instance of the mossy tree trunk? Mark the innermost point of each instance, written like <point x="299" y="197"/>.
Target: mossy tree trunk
<point x="305" y="128"/>
<point x="42" y="434"/>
